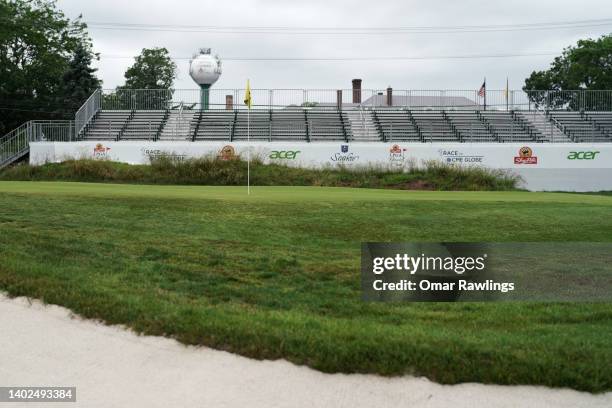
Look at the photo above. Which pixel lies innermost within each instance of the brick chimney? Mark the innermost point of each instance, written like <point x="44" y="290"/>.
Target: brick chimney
<point x="356" y="90"/>
<point x="229" y="102"/>
<point x="389" y="96"/>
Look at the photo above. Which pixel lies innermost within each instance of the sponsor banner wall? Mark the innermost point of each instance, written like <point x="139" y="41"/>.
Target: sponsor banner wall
<point x="524" y="159"/>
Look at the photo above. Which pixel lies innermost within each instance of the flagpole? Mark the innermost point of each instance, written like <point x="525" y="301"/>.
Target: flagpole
<point x="485" y="93"/>
<point x="507" y="94"/>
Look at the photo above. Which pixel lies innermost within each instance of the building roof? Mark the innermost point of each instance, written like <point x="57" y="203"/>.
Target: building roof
<point x="412" y="101"/>
<point x="422" y="101"/>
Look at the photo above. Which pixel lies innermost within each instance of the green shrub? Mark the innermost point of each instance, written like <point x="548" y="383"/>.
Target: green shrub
<point x="212" y="171"/>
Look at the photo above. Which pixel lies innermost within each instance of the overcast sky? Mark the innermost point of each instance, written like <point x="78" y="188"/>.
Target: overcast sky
<point x="118" y="47"/>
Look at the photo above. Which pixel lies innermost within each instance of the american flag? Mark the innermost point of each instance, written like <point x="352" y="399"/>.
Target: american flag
<point x="483" y="89"/>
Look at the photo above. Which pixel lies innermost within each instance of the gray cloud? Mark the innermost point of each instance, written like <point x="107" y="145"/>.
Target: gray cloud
<point x="422" y="74"/>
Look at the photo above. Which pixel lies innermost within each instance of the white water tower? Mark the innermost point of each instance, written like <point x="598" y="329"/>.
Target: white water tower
<point x="205" y="70"/>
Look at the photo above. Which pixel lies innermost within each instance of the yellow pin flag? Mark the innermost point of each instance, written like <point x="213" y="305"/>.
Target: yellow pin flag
<point x="507" y="90"/>
<point x="247" y="95"/>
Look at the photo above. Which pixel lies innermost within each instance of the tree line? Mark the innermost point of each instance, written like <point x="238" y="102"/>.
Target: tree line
<point x="46" y="59"/>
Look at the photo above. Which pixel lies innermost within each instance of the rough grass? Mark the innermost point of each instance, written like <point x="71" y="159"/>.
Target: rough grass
<point x="276" y="275"/>
<point x="211" y="171"/>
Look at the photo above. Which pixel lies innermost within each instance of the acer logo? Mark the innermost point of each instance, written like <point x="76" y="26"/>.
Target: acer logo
<point x="284" y="154"/>
<point x="587" y="155"/>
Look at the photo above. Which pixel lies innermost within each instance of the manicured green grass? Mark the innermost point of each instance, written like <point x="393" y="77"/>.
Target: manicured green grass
<point x="276" y="274"/>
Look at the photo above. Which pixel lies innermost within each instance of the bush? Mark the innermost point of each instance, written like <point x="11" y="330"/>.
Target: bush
<point x="212" y="171"/>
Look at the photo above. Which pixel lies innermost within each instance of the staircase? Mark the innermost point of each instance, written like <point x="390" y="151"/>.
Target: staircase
<point x="550" y="132"/>
<point x="362" y="126"/>
<point x="12" y="150"/>
<point x="15" y="145"/>
<point x="178" y="125"/>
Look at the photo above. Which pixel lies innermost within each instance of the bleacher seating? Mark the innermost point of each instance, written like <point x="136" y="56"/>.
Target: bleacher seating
<point x="506" y="127"/>
<point x="384" y="124"/>
<point x="397" y="124"/>
<point x="578" y="127"/>
<point x="434" y="126"/>
<point x="326" y="125"/>
<point x="212" y="125"/>
<point x="259" y="127"/>
<point x="469" y="126"/>
<point x="106" y="125"/>
<point x="289" y="124"/>
<point x="603" y="120"/>
<point x="144" y="125"/>
<point x="541" y="126"/>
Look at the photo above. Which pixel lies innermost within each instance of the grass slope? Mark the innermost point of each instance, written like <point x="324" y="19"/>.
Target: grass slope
<point x="212" y="171"/>
<point x="276" y="275"/>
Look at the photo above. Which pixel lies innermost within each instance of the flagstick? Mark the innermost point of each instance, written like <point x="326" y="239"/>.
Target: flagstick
<point x="249" y="151"/>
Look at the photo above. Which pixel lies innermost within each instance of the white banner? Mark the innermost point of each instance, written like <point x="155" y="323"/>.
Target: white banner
<point x="525" y="159"/>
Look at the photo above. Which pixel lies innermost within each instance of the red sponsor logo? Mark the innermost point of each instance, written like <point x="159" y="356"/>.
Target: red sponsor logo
<point x="525" y="156"/>
<point x="227" y="153"/>
<point x="397" y="155"/>
<point x="396" y="149"/>
<point x="100" y="148"/>
<point x="100" y="151"/>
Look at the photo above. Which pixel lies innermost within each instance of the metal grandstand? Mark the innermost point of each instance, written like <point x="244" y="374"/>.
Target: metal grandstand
<point x="328" y="115"/>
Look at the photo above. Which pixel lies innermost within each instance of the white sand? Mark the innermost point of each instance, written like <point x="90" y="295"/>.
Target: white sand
<point x="112" y="367"/>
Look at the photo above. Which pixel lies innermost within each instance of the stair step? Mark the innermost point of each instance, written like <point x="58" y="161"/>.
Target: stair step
<point x="362" y="126"/>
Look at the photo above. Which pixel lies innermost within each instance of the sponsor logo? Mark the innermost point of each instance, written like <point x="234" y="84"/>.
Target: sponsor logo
<point x="397" y="155"/>
<point x="525" y="156"/>
<point x="227" y="153"/>
<point x="344" y="156"/>
<point x="156" y="154"/>
<point x="586" y="155"/>
<point x="100" y="151"/>
<point x="284" y="154"/>
<point x="456" y="156"/>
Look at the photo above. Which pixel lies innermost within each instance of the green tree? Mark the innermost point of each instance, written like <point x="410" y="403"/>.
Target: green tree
<point x="154" y="71"/>
<point x="37" y="42"/>
<point x="586" y="66"/>
<point x="79" y="80"/>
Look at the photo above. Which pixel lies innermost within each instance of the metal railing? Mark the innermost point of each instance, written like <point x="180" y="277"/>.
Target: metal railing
<point x="582" y="130"/>
<point x="16" y="143"/>
<point x="53" y="131"/>
<point x="158" y="99"/>
<point x="87" y="111"/>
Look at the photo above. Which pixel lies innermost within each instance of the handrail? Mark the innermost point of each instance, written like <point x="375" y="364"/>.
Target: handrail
<point x="179" y="121"/>
<point x="559" y="126"/>
<point x="9" y="134"/>
<point x="87" y="111"/>
<point x="15" y="144"/>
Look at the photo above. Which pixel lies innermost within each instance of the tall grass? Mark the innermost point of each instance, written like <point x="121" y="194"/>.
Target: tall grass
<point x="211" y="171"/>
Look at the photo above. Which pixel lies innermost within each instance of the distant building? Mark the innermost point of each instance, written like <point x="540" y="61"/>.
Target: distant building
<point x="417" y="101"/>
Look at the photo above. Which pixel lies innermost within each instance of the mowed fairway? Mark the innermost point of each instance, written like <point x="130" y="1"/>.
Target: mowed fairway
<point x="276" y="275"/>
